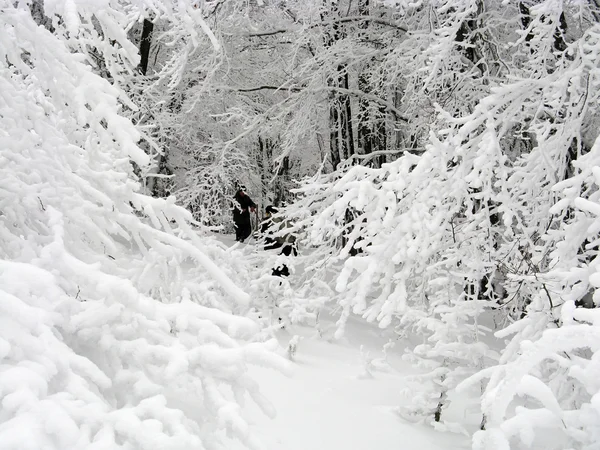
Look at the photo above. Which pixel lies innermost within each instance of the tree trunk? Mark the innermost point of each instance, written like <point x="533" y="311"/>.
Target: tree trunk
<point x="465" y="33"/>
<point x="341" y="142"/>
<point x="347" y="136"/>
<point x="559" y="32"/>
<point x="437" y="415"/>
<point x="145" y="44"/>
<point x="161" y="187"/>
<point x="273" y="182"/>
<point x="341" y="136"/>
<point x="372" y="132"/>
<point x="36" y="7"/>
<point x="595" y="9"/>
<point x="262" y="163"/>
<point x="282" y="182"/>
<point x="334" y="127"/>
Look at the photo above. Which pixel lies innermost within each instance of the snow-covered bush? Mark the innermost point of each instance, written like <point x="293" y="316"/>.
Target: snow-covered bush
<point x="551" y="360"/>
<point x="116" y="324"/>
<point x="436" y="241"/>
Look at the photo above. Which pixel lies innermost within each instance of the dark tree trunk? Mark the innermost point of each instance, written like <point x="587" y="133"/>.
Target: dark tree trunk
<point x="282" y="182"/>
<point x="372" y="132"/>
<point x="525" y="19"/>
<point x="274" y="177"/>
<point x="264" y="162"/>
<point x="347" y="148"/>
<point x="341" y="136"/>
<point x="334" y="127"/>
<point x="341" y="141"/>
<point x="437" y="414"/>
<point x="559" y="32"/>
<point x="595" y="9"/>
<point x="466" y="34"/>
<point x="145" y="44"/>
<point x="161" y="187"/>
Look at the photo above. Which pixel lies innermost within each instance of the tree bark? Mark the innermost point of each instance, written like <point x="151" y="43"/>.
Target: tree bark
<point x="145" y="44"/>
<point x="36" y="7"/>
<point x="595" y="9"/>
<point x="282" y="185"/>
<point x="372" y="132"/>
<point x="559" y="32"/>
<point x="275" y="182"/>
<point x="341" y="136"/>
<point x="161" y="187"/>
<point x="465" y="33"/>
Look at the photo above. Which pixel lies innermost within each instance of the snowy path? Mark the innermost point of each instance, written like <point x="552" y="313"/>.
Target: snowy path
<point x="328" y="403"/>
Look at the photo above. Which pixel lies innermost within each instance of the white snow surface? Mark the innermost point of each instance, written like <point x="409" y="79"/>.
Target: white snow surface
<point x="341" y="394"/>
<point x="329" y="402"/>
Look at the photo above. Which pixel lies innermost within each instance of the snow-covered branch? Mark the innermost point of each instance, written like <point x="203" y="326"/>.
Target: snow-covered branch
<point x="336" y="21"/>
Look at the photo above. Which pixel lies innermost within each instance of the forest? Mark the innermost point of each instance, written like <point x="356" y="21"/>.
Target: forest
<point x="437" y="163"/>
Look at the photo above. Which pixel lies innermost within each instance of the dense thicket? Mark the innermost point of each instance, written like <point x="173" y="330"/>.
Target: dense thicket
<point x="456" y="195"/>
<point x="120" y="325"/>
<point x="449" y="163"/>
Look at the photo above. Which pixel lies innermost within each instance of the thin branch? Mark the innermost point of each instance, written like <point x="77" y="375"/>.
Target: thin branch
<point x="267" y="88"/>
<point x="388" y="106"/>
<point x="377" y="20"/>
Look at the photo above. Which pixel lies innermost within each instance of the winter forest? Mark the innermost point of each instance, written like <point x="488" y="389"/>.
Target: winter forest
<point x="435" y="165"/>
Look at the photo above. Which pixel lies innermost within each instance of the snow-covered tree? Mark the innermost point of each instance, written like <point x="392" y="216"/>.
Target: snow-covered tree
<point x="453" y="145"/>
<point x="117" y="324"/>
<point x="446" y="240"/>
<point x="551" y="358"/>
<point x="291" y="83"/>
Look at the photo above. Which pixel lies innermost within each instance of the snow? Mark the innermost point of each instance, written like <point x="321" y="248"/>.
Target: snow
<point x="343" y="391"/>
<point x="332" y="401"/>
<point x="123" y="325"/>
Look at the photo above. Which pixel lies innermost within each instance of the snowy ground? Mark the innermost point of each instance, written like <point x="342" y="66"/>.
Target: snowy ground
<point x="328" y="403"/>
<point x="331" y="403"/>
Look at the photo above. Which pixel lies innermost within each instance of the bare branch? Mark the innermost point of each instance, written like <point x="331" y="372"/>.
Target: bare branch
<point x="354" y="92"/>
<point x="372" y="19"/>
<point x="267" y="88"/>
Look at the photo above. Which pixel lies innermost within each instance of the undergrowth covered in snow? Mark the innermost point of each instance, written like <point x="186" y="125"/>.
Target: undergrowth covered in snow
<point x="118" y="325"/>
